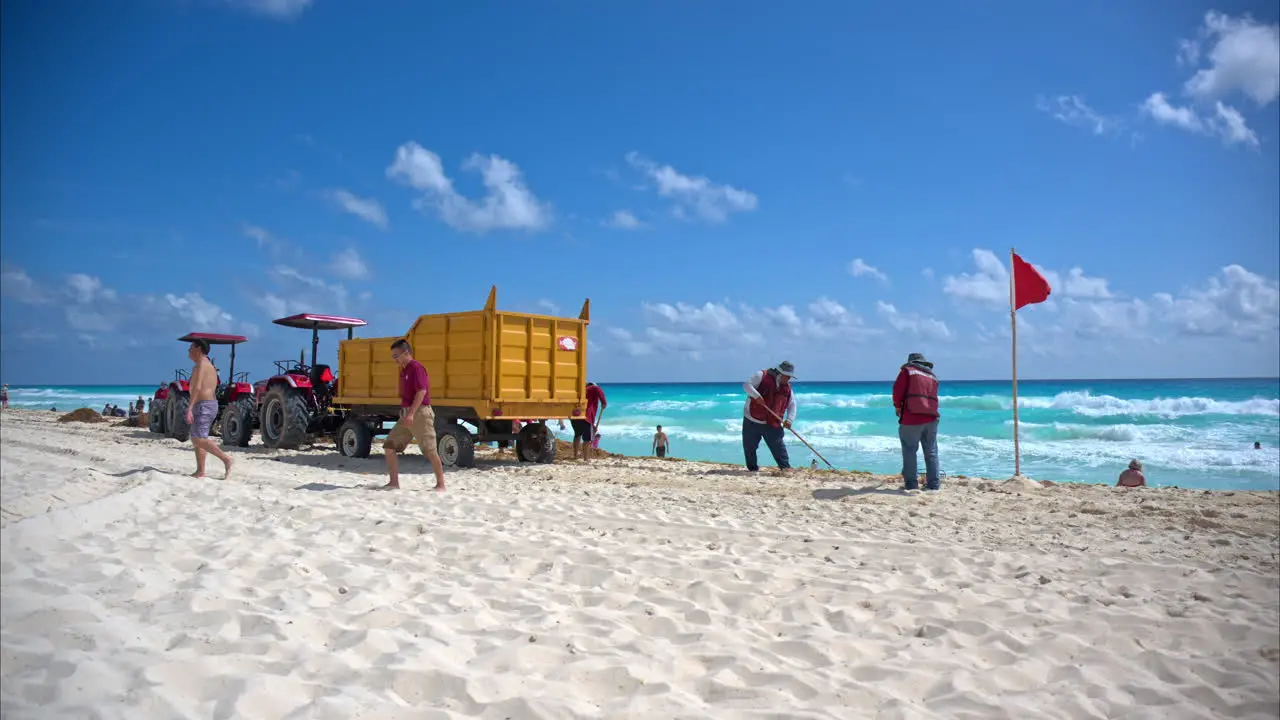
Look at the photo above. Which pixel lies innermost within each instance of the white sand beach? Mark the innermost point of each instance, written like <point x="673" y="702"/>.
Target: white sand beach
<point x="627" y="588"/>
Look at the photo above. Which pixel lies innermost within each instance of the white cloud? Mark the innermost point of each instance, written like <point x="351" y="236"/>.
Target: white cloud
<point x="1073" y="110"/>
<point x="278" y="9"/>
<point x="1234" y="302"/>
<point x="368" y="209"/>
<point x="348" y="264"/>
<point x="18" y="285"/>
<point x="547" y="307"/>
<point x="1226" y="123"/>
<point x="623" y="220"/>
<point x="927" y="328"/>
<point x="927" y="273"/>
<point x="700" y="196"/>
<point x="306" y="293"/>
<point x="96" y="311"/>
<point x="507" y="205"/>
<point x="858" y="268"/>
<point x="989" y="285"/>
<point x="1244" y="58"/>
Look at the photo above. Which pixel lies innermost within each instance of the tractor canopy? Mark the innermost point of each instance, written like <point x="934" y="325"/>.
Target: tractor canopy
<point x="214" y="338"/>
<point x="310" y="321"/>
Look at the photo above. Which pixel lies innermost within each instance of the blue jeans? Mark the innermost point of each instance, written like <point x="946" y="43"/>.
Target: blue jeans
<point x="912" y="437"/>
<point x="753" y="433"/>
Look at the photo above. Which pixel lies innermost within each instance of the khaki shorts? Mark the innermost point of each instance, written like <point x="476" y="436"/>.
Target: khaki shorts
<point x="422" y="429"/>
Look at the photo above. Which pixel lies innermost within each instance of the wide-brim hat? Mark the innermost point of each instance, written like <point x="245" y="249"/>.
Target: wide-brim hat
<point x="918" y="359"/>
<point x="786" y="368"/>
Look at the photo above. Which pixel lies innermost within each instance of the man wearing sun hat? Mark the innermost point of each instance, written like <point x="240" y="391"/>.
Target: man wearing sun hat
<point x="915" y="400"/>
<point x="770" y="408"/>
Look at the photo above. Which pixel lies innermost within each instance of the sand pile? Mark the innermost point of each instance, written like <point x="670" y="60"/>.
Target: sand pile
<point x="86" y="415"/>
<point x="564" y="451"/>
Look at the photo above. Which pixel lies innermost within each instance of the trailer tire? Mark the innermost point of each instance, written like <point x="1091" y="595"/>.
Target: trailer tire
<point x="355" y="439"/>
<point x="155" y="418"/>
<point x="175" y="407"/>
<point x="237" y="423"/>
<point x="455" y="446"/>
<point x="285" y="417"/>
<point x="536" y="443"/>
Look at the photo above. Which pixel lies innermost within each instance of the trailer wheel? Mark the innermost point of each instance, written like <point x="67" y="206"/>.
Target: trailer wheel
<point x="455" y="446"/>
<point x="536" y="443"/>
<point x="155" y="418"/>
<point x="237" y="423"/>
<point x="176" y="423"/>
<point x="355" y="438"/>
<point x="285" y="417"/>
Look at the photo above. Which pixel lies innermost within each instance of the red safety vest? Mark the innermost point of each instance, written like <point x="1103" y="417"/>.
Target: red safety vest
<point x="777" y="398"/>
<point x="922" y="392"/>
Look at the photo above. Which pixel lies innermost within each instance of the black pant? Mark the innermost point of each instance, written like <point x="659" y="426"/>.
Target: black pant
<point x="582" y="430"/>
<point x="753" y="433"/>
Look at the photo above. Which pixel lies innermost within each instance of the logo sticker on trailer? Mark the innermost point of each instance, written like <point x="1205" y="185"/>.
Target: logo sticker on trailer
<point x="567" y="343"/>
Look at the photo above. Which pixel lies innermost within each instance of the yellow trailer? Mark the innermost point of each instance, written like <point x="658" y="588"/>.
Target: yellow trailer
<point x="487" y="368"/>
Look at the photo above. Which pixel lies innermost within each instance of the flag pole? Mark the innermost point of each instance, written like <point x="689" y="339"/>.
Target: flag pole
<point x="1013" y="323"/>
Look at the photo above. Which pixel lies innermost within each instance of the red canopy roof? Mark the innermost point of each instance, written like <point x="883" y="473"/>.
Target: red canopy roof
<point x="214" y="338"/>
<point x="309" y="321"/>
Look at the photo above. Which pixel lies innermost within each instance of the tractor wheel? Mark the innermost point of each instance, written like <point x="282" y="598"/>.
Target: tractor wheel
<point x="536" y="443"/>
<point x="237" y="423"/>
<point x="455" y="446"/>
<point x="176" y="423"/>
<point x="355" y="438"/>
<point x="155" y="418"/>
<point x="285" y="417"/>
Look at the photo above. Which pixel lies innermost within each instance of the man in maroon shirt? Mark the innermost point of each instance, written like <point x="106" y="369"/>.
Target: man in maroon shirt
<point x="584" y="431"/>
<point x="915" y="399"/>
<point x="417" y="419"/>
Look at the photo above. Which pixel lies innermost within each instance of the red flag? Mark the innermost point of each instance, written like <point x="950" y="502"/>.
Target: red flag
<point x="1029" y="286"/>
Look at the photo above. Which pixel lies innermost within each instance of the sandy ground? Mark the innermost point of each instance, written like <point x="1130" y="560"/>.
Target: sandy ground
<point x="627" y="588"/>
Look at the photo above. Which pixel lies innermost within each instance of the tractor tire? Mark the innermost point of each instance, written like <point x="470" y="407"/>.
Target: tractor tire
<point x="536" y="443"/>
<point x="155" y="419"/>
<point x="285" y="417"/>
<point x="237" y="423"/>
<point x="455" y="446"/>
<point x="175" y="408"/>
<point x="355" y="439"/>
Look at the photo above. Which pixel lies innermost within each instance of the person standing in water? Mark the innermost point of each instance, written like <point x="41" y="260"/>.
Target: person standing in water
<point x="203" y="408"/>
<point x="660" y="443"/>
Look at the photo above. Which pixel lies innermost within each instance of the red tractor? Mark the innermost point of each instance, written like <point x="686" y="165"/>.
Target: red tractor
<point x="178" y="396"/>
<point x="295" y="404"/>
<point x="156" y="417"/>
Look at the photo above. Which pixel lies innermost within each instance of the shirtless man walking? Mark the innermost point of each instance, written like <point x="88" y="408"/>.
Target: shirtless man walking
<point x="203" y="408"/>
<point x="660" y="443"/>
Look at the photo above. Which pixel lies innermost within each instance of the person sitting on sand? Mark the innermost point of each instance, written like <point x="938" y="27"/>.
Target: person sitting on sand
<point x="660" y="443"/>
<point x="1132" y="477"/>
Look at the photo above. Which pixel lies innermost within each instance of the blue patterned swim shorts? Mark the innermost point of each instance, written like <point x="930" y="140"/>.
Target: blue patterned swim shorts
<point x="202" y="416"/>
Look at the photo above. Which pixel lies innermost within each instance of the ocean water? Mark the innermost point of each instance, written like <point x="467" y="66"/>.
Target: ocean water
<point x="1189" y="433"/>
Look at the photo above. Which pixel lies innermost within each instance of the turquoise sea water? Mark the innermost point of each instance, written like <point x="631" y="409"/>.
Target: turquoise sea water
<point x="1190" y="433"/>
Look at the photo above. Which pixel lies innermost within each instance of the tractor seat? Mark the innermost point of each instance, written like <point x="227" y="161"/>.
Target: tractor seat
<point x="321" y="375"/>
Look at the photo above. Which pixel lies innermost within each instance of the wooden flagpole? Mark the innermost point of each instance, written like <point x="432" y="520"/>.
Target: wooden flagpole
<point x="1013" y="322"/>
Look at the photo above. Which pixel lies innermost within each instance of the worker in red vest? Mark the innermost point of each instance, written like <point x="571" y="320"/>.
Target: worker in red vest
<point x="915" y="399"/>
<point x="770" y="408"/>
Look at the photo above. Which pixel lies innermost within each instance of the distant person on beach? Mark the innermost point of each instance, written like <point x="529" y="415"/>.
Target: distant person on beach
<point x="660" y="443"/>
<point x="1132" y="477"/>
<point x="1256" y="445"/>
<point x="4" y="397"/>
<point x="585" y="430"/>
<point x="140" y="404"/>
<point x="770" y="408"/>
<point x="915" y="400"/>
<point x="417" y="419"/>
<point x="203" y="408"/>
<point x="813" y="464"/>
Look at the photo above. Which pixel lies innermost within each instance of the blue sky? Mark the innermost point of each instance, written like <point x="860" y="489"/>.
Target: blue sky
<point x="731" y="183"/>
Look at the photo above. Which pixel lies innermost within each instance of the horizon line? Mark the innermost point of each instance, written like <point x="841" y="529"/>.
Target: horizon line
<point x="801" y="381"/>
